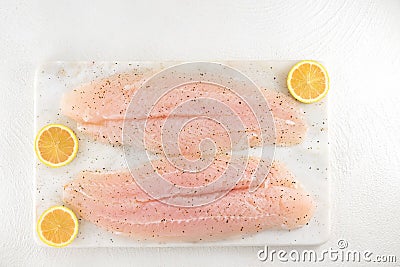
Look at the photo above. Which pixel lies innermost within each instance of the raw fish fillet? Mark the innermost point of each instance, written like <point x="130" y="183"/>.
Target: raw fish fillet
<point x="100" y="110"/>
<point x="113" y="201"/>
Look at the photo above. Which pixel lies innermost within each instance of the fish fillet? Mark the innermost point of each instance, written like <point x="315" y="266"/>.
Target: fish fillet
<point x="100" y="110"/>
<point x="115" y="202"/>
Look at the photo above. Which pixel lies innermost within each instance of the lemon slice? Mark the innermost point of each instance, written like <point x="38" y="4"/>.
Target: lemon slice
<point x="56" y="145"/>
<point x="57" y="226"/>
<point x="308" y="81"/>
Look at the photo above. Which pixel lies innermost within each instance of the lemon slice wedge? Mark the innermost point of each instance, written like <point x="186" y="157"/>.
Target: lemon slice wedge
<point x="56" y="145"/>
<point x="308" y="81"/>
<point x="57" y="226"/>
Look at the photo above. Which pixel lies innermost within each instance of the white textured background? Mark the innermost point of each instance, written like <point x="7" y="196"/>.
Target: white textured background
<point x="360" y="41"/>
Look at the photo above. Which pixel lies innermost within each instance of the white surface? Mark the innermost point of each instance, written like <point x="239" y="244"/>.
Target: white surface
<point x="308" y="160"/>
<point x="359" y="40"/>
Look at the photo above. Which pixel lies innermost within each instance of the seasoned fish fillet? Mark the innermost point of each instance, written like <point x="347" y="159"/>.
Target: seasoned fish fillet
<point x="115" y="202"/>
<point x="100" y="110"/>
